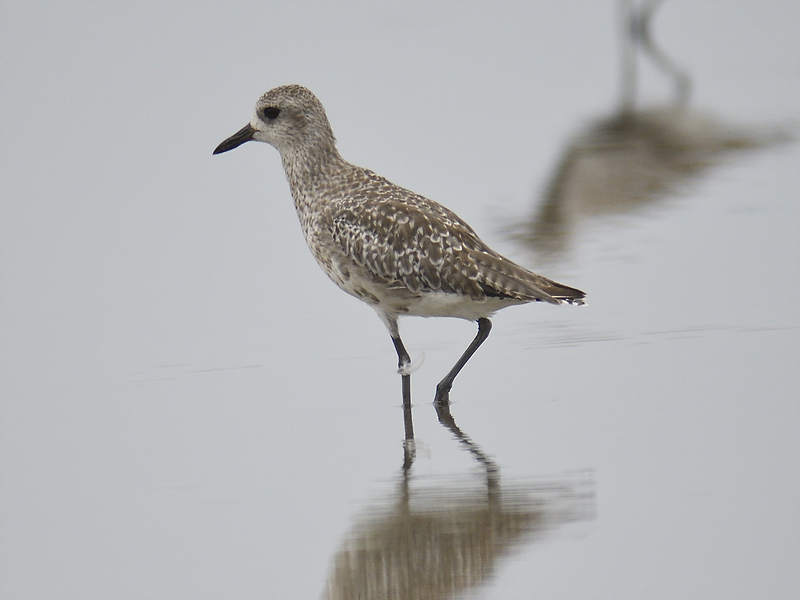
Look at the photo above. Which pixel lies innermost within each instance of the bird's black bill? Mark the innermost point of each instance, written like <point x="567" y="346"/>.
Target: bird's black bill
<point x="245" y="134"/>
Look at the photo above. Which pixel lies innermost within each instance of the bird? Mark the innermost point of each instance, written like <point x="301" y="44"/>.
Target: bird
<point x="398" y="251"/>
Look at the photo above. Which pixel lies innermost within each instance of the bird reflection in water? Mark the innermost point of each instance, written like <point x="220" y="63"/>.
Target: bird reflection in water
<point x="435" y="540"/>
<point x="635" y="156"/>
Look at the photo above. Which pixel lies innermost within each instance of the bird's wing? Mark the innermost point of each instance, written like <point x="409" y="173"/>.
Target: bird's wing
<point x="409" y="241"/>
<point x="403" y="244"/>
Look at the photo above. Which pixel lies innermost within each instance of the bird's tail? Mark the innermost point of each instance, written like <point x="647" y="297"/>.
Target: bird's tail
<point x="565" y="294"/>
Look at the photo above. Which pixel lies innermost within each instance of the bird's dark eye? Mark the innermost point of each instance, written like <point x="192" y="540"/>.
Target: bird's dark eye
<point x="271" y="112"/>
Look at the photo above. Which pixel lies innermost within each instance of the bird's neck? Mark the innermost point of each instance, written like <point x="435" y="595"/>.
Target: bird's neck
<point x="309" y="171"/>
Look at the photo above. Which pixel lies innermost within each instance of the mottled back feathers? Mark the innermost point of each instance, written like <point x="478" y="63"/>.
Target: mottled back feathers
<point x="402" y="237"/>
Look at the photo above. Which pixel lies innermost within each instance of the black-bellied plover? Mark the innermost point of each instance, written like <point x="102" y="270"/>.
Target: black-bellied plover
<point x="396" y="250"/>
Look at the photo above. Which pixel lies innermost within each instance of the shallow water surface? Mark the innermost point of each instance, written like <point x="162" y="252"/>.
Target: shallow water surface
<point x="191" y="410"/>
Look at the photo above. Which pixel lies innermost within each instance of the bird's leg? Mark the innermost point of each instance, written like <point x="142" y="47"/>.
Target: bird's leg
<point x="403" y="359"/>
<point x="443" y="389"/>
<point x="403" y="362"/>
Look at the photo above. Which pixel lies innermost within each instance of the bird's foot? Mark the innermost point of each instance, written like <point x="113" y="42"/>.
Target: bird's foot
<point x="442" y="397"/>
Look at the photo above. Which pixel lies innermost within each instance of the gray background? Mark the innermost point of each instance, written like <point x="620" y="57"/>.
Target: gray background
<point x="190" y="409"/>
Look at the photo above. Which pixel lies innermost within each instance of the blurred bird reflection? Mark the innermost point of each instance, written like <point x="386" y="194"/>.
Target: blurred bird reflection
<point x="624" y="161"/>
<point x="438" y="539"/>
